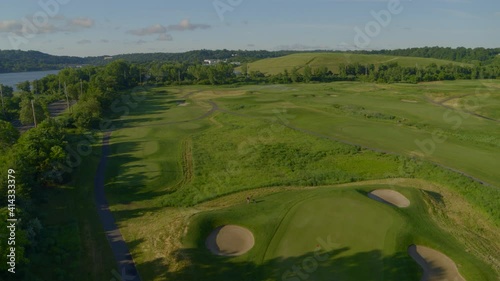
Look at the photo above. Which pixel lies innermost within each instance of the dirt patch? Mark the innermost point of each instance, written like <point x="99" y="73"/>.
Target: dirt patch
<point x="230" y="240"/>
<point x="390" y="197"/>
<point x="436" y="265"/>
<point x="57" y="108"/>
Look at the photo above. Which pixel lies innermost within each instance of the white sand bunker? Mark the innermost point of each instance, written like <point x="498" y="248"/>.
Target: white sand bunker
<point x="390" y="197"/>
<point x="436" y="265"/>
<point x="230" y="240"/>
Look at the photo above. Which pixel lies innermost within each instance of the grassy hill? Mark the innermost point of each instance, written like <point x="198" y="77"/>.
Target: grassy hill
<point x="333" y="60"/>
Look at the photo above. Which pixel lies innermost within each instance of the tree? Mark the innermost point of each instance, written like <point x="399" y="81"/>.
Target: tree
<point x="40" y="154"/>
<point x="295" y="75"/>
<point x="320" y="73"/>
<point x="307" y="73"/>
<point x="24" y="86"/>
<point x="285" y="79"/>
<point x="244" y="69"/>
<point x="8" y="135"/>
<point x="342" y="70"/>
<point x="256" y="75"/>
<point x="86" y="112"/>
<point x="26" y="112"/>
<point x="7" y="91"/>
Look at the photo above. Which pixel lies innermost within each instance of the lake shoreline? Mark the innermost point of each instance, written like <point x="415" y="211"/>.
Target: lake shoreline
<point x="12" y="78"/>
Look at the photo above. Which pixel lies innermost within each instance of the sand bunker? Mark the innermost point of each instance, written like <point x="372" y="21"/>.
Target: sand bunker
<point x="230" y="240"/>
<point x="436" y="265"/>
<point x="390" y="197"/>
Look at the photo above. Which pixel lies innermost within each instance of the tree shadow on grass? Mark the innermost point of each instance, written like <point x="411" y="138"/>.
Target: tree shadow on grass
<point x="126" y="184"/>
<point x="336" y="264"/>
<point x="437" y="197"/>
<point x="150" y="104"/>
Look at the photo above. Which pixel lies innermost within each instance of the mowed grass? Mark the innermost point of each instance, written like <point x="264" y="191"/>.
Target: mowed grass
<point x="146" y="152"/>
<point x="333" y="60"/>
<point x="169" y="161"/>
<point x="327" y="233"/>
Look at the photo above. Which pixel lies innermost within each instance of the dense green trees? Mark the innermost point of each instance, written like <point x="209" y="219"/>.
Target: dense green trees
<point x="461" y="54"/>
<point x="26" y="113"/>
<point x="8" y="135"/>
<point x="6" y="91"/>
<point x="20" y="61"/>
<point x="24" y="86"/>
<point x="37" y="158"/>
<point x="86" y="112"/>
<point x="388" y="73"/>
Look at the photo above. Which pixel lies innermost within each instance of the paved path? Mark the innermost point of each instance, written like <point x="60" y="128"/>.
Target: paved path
<point x="124" y="259"/>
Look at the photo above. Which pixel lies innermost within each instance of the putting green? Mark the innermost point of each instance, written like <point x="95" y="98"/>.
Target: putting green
<point x="326" y="233"/>
<point x="339" y="227"/>
<point x="349" y="221"/>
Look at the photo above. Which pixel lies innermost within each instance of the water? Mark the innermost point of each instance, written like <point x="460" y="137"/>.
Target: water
<point x="11" y="79"/>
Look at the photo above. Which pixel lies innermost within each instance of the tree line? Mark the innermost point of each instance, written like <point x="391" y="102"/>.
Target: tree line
<point x="40" y="156"/>
<point x="19" y="61"/>
<point x="460" y="54"/>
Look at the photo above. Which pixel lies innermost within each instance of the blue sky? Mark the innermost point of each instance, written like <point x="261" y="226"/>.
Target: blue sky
<point x="108" y="27"/>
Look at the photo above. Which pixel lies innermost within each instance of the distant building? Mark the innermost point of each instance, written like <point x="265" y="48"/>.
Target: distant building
<point x="211" y="62"/>
<point x="108" y="58"/>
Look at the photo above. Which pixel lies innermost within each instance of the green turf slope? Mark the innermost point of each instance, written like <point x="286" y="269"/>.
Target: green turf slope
<point x="333" y="60"/>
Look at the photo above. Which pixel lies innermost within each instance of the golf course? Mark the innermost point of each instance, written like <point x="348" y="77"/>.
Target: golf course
<point x="325" y="181"/>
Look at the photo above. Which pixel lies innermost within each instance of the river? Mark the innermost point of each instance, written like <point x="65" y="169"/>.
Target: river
<point x="11" y="79"/>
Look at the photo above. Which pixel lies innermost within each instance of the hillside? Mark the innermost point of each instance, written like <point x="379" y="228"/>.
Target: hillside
<point x="20" y="61"/>
<point x="333" y="60"/>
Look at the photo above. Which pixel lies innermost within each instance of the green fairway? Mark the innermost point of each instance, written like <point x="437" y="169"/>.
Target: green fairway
<point x="333" y="60"/>
<point x="184" y="159"/>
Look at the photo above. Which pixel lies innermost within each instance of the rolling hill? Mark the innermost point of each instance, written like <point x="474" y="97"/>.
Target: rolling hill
<point x="333" y="60"/>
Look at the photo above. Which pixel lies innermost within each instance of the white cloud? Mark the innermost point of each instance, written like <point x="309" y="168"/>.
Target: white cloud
<point x="185" y="25"/>
<point x="57" y="24"/>
<point x="163" y="31"/>
<point x="81" y="22"/>
<point x="154" y="29"/>
<point x="10" y="26"/>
